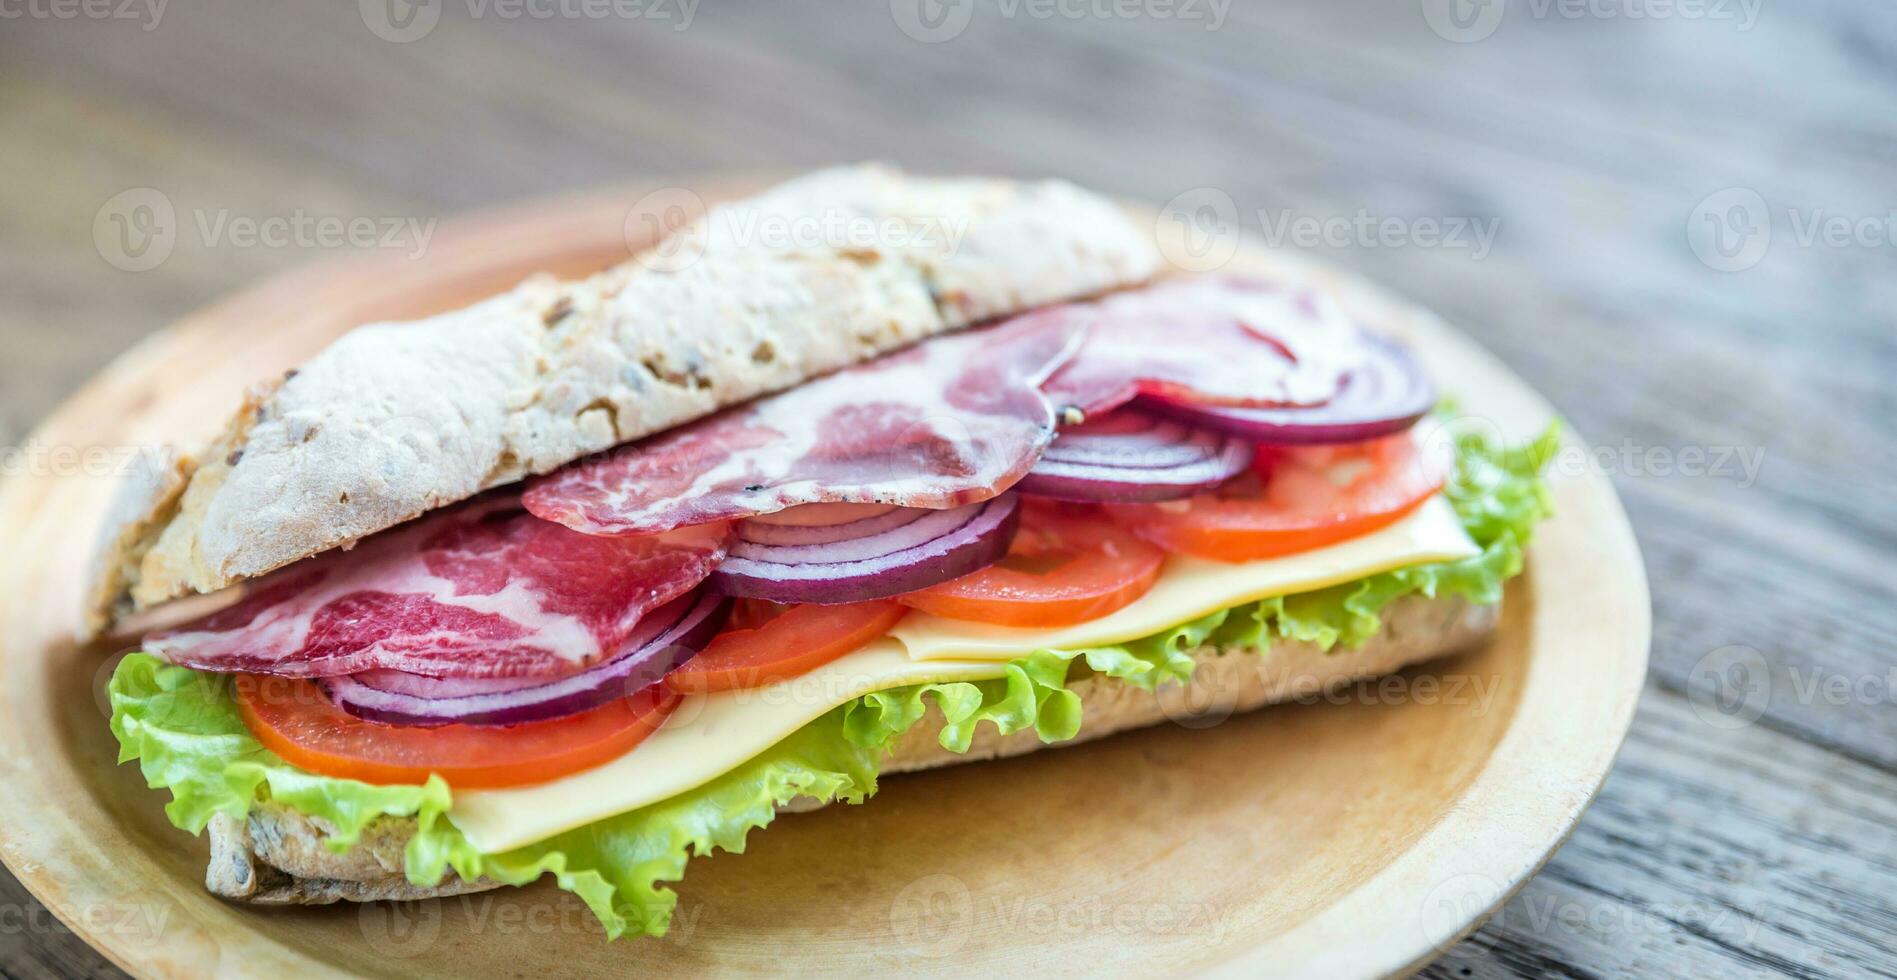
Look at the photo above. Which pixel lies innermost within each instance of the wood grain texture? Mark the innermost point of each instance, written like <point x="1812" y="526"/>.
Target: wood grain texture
<point x="1591" y="141"/>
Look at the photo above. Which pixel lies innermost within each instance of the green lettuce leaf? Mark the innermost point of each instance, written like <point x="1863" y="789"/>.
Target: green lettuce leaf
<point x="184" y="730"/>
<point x="619" y="865"/>
<point x="1498" y="495"/>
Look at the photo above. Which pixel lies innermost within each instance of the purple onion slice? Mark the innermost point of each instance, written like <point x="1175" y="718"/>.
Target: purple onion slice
<point x="663" y="639"/>
<point x="1130" y="456"/>
<point x="861" y="558"/>
<point x="1384" y="395"/>
<point x="824" y="523"/>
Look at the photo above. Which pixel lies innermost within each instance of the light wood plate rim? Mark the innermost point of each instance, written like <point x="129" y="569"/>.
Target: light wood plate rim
<point x="1586" y="574"/>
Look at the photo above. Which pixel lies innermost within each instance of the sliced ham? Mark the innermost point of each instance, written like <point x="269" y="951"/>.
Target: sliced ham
<point x="946" y="423"/>
<point x="1209" y="341"/>
<point x="483" y="589"/>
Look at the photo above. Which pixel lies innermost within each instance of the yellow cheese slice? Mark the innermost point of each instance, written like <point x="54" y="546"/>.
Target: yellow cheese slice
<point x="1189" y="588"/>
<point x="706" y="737"/>
<point x="710" y="735"/>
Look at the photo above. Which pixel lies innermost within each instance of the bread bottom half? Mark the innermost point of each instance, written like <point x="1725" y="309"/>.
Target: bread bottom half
<point x="277" y="855"/>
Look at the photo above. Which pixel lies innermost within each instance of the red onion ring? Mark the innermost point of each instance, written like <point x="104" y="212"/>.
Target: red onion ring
<point x="803" y="529"/>
<point x="662" y="640"/>
<point x="889" y="554"/>
<point x="1129" y="456"/>
<point x="1385" y="395"/>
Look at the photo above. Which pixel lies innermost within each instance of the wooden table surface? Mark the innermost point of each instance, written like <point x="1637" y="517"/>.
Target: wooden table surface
<point x="1676" y="220"/>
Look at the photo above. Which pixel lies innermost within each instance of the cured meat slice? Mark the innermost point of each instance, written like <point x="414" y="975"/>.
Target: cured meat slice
<point x="483" y="589"/>
<point x="946" y="423"/>
<point x="1208" y="341"/>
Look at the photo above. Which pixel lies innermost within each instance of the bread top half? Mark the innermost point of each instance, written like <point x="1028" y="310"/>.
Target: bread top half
<point x="395" y="419"/>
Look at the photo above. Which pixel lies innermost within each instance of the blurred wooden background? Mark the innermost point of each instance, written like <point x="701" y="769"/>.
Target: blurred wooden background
<point x="1751" y="824"/>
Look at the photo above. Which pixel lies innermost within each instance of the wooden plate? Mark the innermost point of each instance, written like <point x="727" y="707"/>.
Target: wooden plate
<point x="1352" y="838"/>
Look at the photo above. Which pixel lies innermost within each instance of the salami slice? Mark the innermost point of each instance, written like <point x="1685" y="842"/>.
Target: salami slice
<point x="483" y="589"/>
<point x="949" y="422"/>
<point x="1208" y="341"/>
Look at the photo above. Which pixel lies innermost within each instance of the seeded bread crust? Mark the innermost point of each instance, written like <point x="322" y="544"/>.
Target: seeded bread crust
<point x="277" y="856"/>
<point x="396" y="419"/>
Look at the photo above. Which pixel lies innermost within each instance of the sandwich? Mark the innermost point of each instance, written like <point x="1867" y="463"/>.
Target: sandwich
<point x="595" y="576"/>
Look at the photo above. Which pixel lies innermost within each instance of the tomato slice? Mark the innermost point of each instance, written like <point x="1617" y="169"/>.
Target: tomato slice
<point x="1068" y="564"/>
<point x="1296" y="498"/>
<point x="296" y="720"/>
<point x="774" y="642"/>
